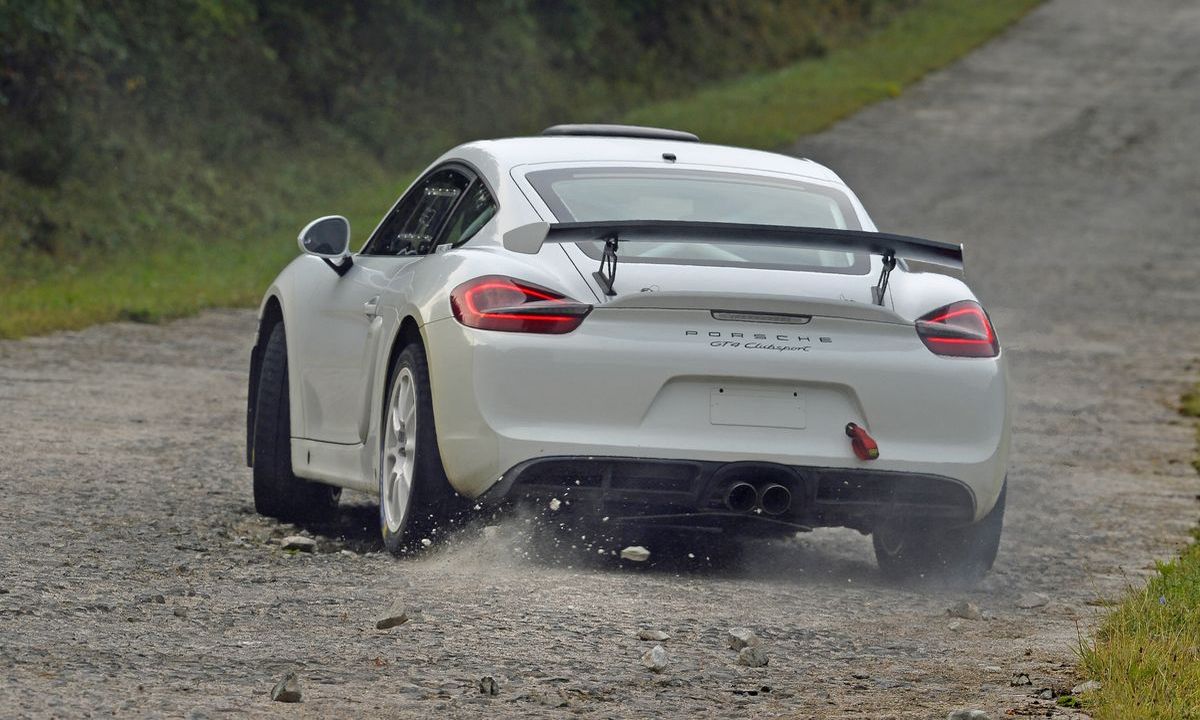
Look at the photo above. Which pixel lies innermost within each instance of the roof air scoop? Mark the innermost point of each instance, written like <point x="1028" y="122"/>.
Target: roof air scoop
<point x="625" y="131"/>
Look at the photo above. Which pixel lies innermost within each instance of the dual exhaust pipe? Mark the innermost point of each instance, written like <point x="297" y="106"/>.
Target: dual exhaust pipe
<point x="773" y="499"/>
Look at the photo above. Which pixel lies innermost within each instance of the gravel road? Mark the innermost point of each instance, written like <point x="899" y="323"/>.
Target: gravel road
<point x="135" y="578"/>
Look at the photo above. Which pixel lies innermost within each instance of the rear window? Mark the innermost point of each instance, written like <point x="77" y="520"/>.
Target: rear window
<point x="593" y="194"/>
<point x="607" y="194"/>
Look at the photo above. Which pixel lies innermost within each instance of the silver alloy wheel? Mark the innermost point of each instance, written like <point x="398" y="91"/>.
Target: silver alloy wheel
<point x="399" y="451"/>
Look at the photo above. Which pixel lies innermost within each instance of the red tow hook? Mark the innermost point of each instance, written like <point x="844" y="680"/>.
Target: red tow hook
<point x="864" y="445"/>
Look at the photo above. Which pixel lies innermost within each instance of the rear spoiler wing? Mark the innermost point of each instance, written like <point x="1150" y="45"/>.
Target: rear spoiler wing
<point x="530" y="238"/>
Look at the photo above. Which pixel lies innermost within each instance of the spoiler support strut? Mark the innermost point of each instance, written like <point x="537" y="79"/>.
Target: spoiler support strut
<point x="607" y="274"/>
<point x="889" y="263"/>
<point x="529" y="239"/>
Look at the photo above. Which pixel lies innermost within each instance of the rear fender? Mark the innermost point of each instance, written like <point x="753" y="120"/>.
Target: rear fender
<point x="406" y="328"/>
<point x="917" y="292"/>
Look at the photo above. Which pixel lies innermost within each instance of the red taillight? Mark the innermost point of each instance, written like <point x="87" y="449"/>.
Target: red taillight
<point x="495" y="302"/>
<point x="961" y="329"/>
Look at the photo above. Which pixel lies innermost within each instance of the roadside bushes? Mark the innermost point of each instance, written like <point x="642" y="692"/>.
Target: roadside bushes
<point x="146" y="103"/>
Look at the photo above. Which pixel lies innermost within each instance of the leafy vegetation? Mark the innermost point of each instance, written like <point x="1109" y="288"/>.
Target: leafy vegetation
<point x="772" y="109"/>
<point x="158" y="156"/>
<point x="1146" y="654"/>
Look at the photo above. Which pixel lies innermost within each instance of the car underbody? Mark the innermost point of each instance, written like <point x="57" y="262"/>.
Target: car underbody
<point x="743" y="497"/>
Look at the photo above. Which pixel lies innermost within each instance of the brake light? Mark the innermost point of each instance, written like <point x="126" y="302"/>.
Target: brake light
<point x="960" y="329"/>
<point x="495" y="302"/>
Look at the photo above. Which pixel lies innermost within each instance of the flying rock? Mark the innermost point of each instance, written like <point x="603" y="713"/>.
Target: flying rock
<point x="299" y="542"/>
<point x="636" y="553"/>
<point x="287" y="690"/>
<point x="965" y="610"/>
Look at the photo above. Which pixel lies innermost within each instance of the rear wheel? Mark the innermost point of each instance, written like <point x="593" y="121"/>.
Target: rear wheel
<point x="963" y="554"/>
<point x="277" y="491"/>
<point x="414" y="495"/>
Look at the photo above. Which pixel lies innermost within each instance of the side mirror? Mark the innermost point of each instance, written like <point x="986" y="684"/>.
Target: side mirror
<point x="329" y="239"/>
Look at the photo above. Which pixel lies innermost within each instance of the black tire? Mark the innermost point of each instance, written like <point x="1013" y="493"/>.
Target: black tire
<point x="432" y="502"/>
<point x="278" y="493"/>
<point x="960" y="555"/>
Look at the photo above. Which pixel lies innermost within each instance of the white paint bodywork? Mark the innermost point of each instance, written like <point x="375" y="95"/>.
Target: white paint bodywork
<point x="649" y="375"/>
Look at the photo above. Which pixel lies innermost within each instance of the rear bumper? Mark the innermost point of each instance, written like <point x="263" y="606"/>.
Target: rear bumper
<point x="695" y="493"/>
<point x="645" y="386"/>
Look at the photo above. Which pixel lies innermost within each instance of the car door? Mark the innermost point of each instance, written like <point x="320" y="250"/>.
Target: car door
<point x="349" y="315"/>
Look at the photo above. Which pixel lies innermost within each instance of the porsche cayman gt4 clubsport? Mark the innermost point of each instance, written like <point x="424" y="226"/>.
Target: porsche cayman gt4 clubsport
<point x="643" y="328"/>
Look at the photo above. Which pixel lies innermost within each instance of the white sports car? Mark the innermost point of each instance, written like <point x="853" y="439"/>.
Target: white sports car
<point x="641" y="327"/>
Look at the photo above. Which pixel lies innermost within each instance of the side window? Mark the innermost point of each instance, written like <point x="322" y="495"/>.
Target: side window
<point x="413" y="225"/>
<point x="476" y="208"/>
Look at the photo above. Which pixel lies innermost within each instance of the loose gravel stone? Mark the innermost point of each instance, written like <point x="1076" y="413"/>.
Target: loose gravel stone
<point x="635" y="553"/>
<point x="655" y="659"/>
<point x="1020" y="680"/>
<point x="968" y="715"/>
<point x="395" y="616"/>
<point x="298" y="543"/>
<point x="287" y="690"/>
<point x="488" y="685"/>
<point x="1086" y="686"/>
<point x="180" y="612"/>
<point x="753" y="656"/>
<point x="653" y="635"/>
<point x="965" y="610"/>
<point x="1032" y="600"/>
<point x="738" y="638"/>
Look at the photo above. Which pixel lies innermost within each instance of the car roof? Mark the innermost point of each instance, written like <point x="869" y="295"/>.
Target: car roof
<point x="499" y="157"/>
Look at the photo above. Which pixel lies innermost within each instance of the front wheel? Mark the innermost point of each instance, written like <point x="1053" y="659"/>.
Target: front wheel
<point x="277" y="491"/>
<point x="963" y="554"/>
<point x="413" y="491"/>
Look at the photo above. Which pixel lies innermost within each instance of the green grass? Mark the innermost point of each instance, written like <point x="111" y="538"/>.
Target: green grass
<point x="774" y="109"/>
<point x="191" y="264"/>
<point x="1146" y="653"/>
<point x="219" y="243"/>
